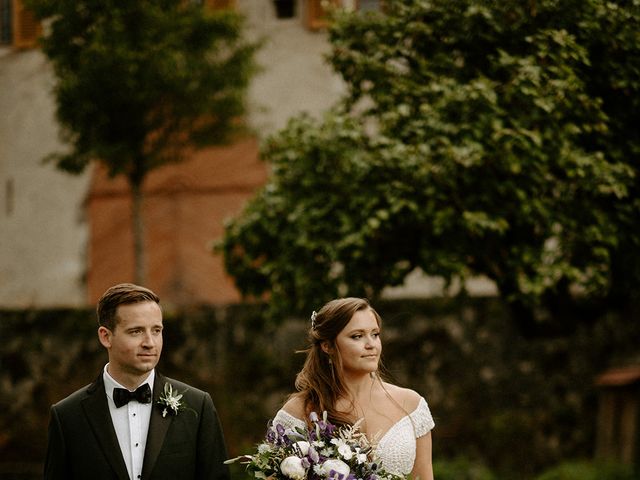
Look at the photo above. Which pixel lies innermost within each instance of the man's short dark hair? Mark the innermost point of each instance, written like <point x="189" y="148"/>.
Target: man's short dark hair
<point x="121" y="294"/>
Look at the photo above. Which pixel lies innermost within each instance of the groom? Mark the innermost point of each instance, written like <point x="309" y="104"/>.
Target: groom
<point x="133" y="423"/>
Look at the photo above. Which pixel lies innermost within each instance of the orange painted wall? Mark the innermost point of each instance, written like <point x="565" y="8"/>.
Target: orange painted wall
<point x="184" y="211"/>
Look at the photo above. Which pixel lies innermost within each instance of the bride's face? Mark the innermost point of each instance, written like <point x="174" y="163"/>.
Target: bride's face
<point x="359" y="343"/>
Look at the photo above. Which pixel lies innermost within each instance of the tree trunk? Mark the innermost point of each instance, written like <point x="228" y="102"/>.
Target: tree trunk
<point x="137" y="219"/>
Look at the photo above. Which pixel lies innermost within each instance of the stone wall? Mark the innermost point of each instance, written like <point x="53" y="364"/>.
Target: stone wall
<point x="517" y="405"/>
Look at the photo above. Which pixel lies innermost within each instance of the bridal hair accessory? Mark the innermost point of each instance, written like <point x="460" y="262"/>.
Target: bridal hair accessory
<point x="319" y="451"/>
<point x="313" y="320"/>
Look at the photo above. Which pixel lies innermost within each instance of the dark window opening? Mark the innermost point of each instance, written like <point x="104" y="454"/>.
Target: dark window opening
<point x="9" y="194"/>
<point x="5" y="22"/>
<point x="369" y="5"/>
<point x="284" y="8"/>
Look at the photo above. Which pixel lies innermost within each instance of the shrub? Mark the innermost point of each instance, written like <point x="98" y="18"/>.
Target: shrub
<point x="584" y="470"/>
<point x="461" y="469"/>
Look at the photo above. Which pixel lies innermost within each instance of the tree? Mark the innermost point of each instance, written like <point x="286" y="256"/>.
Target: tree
<point x="476" y="138"/>
<point x="140" y="84"/>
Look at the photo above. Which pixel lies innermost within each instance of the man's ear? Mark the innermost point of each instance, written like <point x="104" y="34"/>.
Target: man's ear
<point x="104" y="335"/>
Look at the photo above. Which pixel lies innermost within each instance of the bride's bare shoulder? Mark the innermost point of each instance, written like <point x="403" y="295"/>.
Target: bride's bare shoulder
<point x="408" y="399"/>
<point x="294" y="406"/>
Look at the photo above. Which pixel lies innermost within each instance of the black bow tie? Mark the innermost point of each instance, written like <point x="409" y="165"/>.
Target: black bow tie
<point x="122" y="396"/>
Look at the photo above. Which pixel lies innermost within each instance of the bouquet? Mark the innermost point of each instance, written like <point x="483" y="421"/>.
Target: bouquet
<point x="321" y="452"/>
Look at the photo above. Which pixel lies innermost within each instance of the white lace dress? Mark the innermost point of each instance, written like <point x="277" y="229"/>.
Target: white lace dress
<point x="397" y="447"/>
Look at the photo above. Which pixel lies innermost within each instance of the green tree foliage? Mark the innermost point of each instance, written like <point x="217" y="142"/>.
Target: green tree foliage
<point x="140" y="83"/>
<point x="477" y="138"/>
<point x="583" y="470"/>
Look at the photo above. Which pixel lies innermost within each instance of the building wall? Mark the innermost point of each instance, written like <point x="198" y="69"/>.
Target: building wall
<point x="185" y="206"/>
<point x="43" y="233"/>
<point x="64" y="239"/>
<point x="295" y="76"/>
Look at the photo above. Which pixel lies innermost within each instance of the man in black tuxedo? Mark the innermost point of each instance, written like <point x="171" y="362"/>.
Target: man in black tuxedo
<point x="132" y="422"/>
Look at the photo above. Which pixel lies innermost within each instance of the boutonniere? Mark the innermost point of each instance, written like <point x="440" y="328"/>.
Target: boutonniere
<point x="170" y="401"/>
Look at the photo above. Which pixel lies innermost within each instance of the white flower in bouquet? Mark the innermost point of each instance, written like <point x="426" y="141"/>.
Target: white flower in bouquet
<point x="326" y="452"/>
<point x="336" y="466"/>
<point x="320" y="451"/>
<point x="344" y="450"/>
<point x="361" y="457"/>
<point x="292" y="467"/>
<point x="264" y="448"/>
<point x="303" y="446"/>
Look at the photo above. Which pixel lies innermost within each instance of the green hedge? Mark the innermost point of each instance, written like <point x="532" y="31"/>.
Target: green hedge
<point x="520" y="405"/>
<point x="586" y="470"/>
<point x="461" y="469"/>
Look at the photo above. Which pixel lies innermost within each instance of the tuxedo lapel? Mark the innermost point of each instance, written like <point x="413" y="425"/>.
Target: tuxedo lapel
<point x="96" y="409"/>
<point x="158" y="427"/>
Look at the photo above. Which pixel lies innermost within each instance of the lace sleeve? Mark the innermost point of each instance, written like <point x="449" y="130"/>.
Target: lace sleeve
<point x="287" y="420"/>
<point x="422" y="419"/>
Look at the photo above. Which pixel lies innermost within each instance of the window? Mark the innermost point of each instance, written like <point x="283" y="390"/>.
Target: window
<point x="18" y="26"/>
<point x="26" y="27"/>
<point x="214" y="4"/>
<point x="284" y="8"/>
<point x="369" y="5"/>
<point x="219" y="4"/>
<point x="316" y="16"/>
<point x="9" y="197"/>
<point x="5" y="21"/>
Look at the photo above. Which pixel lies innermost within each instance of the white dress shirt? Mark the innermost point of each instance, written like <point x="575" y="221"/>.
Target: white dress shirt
<point x="131" y="422"/>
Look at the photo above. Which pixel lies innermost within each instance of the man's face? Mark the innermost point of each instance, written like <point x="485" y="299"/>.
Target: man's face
<point x="135" y="344"/>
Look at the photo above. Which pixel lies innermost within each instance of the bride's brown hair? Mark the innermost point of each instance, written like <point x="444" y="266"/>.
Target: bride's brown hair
<point x="320" y="383"/>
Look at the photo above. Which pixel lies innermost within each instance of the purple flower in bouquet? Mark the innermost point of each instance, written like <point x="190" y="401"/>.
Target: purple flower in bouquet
<point x="320" y="451"/>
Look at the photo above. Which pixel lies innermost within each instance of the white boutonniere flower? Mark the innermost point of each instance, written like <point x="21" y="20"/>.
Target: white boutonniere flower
<point x="170" y="401"/>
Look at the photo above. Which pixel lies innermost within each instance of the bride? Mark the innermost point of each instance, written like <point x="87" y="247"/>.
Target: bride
<point x="340" y="376"/>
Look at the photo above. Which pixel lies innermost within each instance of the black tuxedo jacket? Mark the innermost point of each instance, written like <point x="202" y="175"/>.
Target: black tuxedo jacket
<point x="83" y="443"/>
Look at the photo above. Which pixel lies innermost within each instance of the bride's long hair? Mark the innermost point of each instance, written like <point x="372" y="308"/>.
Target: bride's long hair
<point x="320" y="383"/>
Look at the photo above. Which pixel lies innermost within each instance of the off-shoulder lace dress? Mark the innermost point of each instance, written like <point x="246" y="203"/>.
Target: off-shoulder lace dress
<point x="397" y="447"/>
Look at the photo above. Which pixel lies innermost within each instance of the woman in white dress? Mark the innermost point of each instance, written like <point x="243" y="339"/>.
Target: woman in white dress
<point x="341" y="376"/>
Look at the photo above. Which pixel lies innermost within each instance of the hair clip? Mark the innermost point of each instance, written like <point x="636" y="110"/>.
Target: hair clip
<point x="313" y="320"/>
